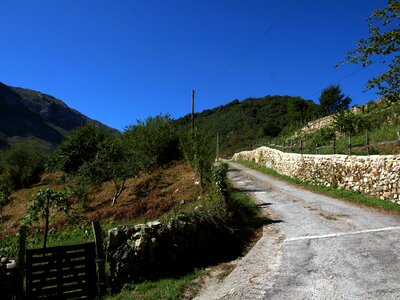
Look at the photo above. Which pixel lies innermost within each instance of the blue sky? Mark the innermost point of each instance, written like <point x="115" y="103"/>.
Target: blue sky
<point x="122" y="60"/>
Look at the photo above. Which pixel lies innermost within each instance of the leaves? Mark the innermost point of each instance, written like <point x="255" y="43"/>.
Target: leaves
<point x="382" y="44"/>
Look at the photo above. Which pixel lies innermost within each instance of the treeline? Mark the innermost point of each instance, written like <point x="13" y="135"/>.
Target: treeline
<point x="243" y="123"/>
<point x="91" y="155"/>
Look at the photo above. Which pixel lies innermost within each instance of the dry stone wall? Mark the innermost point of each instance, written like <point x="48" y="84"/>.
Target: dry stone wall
<point x="374" y="175"/>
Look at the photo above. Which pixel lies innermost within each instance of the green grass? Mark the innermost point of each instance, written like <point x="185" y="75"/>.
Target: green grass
<point x="167" y="288"/>
<point x="336" y="193"/>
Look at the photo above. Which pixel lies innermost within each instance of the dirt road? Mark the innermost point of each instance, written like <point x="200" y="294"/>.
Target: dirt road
<point x="322" y="248"/>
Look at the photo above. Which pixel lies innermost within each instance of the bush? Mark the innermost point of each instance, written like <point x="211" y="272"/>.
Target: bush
<point x="23" y="163"/>
<point x="154" y="139"/>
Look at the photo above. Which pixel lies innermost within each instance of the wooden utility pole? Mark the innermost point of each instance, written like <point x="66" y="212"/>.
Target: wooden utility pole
<point x="192" y="114"/>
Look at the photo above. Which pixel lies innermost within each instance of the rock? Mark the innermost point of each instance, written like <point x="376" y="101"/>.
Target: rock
<point x="115" y="238"/>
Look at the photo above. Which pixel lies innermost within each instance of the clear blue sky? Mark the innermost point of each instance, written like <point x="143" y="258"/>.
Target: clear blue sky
<point x="122" y="60"/>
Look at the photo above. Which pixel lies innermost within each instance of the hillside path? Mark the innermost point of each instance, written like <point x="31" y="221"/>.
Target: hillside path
<point x="322" y="248"/>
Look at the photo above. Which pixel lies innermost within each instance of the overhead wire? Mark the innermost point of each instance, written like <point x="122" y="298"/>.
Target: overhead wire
<point x="246" y="50"/>
<point x="345" y="77"/>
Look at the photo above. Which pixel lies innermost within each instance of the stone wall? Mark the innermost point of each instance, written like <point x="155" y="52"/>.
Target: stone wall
<point x="374" y="175"/>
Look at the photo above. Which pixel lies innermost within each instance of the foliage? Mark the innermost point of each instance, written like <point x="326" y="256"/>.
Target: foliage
<point x="112" y="162"/>
<point x="5" y="194"/>
<point x="197" y="152"/>
<point x="43" y="201"/>
<point x="240" y="123"/>
<point x="332" y="100"/>
<point x="384" y="42"/>
<point x="154" y="139"/>
<point x="349" y="122"/>
<point x="323" y="136"/>
<point x="219" y="178"/>
<point x="23" y="163"/>
<point x="81" y="146"/>
<point x="299" y="111"/>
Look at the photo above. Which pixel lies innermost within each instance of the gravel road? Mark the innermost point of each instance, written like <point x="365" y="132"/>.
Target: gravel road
<point x="322" y="248"/>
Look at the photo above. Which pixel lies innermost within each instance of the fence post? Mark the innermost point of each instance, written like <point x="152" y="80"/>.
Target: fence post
<point x="100" y="258"/>
<point x="349" y="144"/>
<point x="334" y="145"/>
<point x="21" y="261"/>
<point x="367" y="142"/>
<point x="301" y="146"/>
<point x="283" y="148"/>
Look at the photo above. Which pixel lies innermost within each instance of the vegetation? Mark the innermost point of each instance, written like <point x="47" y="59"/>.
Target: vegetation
<point x="240" y="124"/>
<point x="333" y="101"/>
<point x="43" y="201"/>
<point x="383" y="42"/>
<point x="167" y="288"/>
<point x="22" y="163"/>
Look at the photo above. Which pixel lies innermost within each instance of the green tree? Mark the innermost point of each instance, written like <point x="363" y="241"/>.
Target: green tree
<point x="112" y="162"/>
<point x="351" y="123"/>
<point x="382" y="44"/>
<point x="296" y="111"/>
<point x="199" y="154"/>
<point x="155" y="138"/>
<point x="82" y="145"/>
<point x="43" y="201"/>
<point x="23" y="162"/>
<point x="332" y="100"/>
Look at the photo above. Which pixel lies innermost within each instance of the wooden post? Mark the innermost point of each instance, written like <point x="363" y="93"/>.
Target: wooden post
<point x="283" y="147"/>
<point x="192" y="114"/>
<point x="334" y="145"/>
<point x="301" y="146"/>
<point x="100" y="258"/>
<point x="367" y="142"/>
<point x="349" y="144"/>
<point x="21" y="261"/>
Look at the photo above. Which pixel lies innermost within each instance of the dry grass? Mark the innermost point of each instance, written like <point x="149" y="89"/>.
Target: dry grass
<point x="148" y="196"/>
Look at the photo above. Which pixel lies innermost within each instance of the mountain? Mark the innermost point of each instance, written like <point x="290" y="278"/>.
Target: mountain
<point x="27" y="113"/>
<point x="240" y="123"/>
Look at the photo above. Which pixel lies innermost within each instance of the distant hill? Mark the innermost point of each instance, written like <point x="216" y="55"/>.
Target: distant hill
<point x="240" y="123"/>
<point x="26" y="113"/>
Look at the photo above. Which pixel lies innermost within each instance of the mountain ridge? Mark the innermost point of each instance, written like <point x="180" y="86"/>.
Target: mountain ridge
<point x="26" y="113"/>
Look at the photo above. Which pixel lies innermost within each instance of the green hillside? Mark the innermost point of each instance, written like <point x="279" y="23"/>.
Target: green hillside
<point x="240" y="123"/>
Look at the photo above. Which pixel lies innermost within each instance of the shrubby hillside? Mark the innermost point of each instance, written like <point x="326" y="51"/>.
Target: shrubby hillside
<point x="240" y="123"/>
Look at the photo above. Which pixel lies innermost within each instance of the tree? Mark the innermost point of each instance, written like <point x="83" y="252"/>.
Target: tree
<point x="23" y="162"/>
<point x="43" y="201"/>
<point x="384" y="42"/>
<point x="155" y="138"/>
<point x="349" y="122"/>
<point x="112" y="162"/>
<point x="79" y="147"/>
<point x="332" y="100"/>
<point x="296" y="111"/>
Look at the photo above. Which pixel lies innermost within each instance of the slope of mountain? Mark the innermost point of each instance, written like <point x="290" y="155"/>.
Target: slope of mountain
<point x="26" y="113"/>
<point x="240" y="123"/>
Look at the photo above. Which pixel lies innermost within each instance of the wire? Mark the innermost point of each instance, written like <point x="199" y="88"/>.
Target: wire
<point x="345" y="77"/>
<point x="246" y="50"/>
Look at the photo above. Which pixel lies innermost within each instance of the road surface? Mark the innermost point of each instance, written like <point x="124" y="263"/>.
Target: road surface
<point x="321" y="248"/>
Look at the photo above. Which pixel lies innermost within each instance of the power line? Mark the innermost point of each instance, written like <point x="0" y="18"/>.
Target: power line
<point x="246" y="50"/>
<point x="344" y="78"/>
